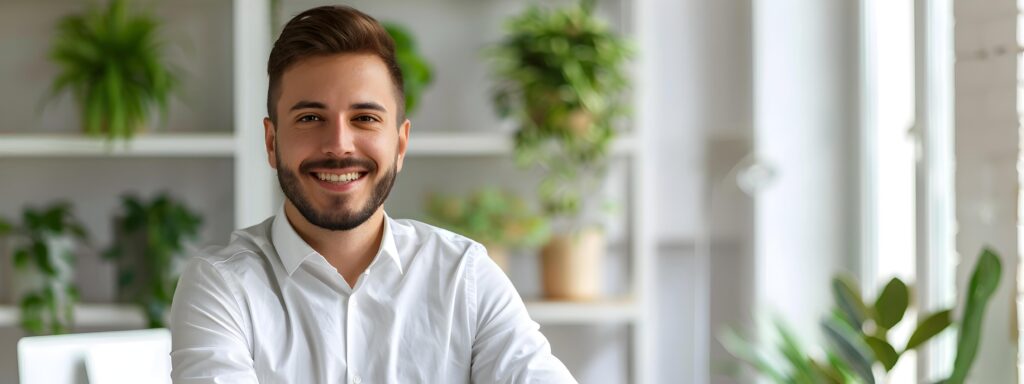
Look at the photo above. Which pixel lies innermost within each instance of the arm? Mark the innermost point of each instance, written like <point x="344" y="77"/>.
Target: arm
<point x="508" y="346"/>
<point x="209" y="337"/>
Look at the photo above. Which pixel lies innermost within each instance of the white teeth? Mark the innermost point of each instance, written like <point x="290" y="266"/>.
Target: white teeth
<point x="338" y="178"/>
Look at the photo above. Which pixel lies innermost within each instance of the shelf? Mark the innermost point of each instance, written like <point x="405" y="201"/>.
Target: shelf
<point x="224" y="145"/>
<point x="143" y="145"/>
<point x="481" y="144"/>
<point x="569" y="312"/>
<point x="89" y="315"/>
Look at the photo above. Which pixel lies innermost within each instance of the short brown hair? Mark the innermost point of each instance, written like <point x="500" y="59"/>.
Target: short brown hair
<point x="330" y="30"/>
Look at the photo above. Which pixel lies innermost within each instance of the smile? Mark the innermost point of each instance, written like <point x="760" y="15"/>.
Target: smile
<point x="338" y="178"/>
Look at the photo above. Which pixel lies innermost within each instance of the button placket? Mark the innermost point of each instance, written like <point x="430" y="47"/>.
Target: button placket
<point x="350" y="325"/>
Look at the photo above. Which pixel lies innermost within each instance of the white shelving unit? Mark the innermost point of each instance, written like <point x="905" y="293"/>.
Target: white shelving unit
<point x="423" y="144"/>
<point x="90" y="315"/>
<point x="145" y="145"/>
<point x="256" y="197"/>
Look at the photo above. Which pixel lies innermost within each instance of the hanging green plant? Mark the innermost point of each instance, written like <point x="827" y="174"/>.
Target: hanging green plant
<point x="43" y="262"/>
<point x="150" y="245"/>
<point x="112" y="62"/>
<point x="416" y="71"/>
<point x="561" y="75"/>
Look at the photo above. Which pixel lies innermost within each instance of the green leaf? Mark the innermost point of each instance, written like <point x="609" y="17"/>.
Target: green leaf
<point x="850" y="347"/>
<point x="884" y="352"/>
<point x="21" y="258"/>
<point x="892" y="304"/>
<point x="928" y="328"/>
<point x="983" y="284"/>
<point x="416" y="72"/>
<point x="797" y="357"/>
<point x="748" y="353"/>
<point x="42" y="257"/>
<point x="5" y="227"/>
<point x="849" y="300"/>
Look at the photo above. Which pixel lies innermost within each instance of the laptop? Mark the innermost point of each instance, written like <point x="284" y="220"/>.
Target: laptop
<point x="138" y="356"/>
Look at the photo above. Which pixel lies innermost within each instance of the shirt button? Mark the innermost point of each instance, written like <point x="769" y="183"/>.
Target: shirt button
<point x="357" y="380"/>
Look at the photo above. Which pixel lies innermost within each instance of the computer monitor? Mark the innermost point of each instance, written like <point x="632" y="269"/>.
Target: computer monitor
<point x="140" y="356"/>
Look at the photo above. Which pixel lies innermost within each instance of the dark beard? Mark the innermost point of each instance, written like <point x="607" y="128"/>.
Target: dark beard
<point x="335" y="217"/>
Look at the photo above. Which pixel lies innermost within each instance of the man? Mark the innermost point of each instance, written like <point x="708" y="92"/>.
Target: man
<point x="332" y="290"/>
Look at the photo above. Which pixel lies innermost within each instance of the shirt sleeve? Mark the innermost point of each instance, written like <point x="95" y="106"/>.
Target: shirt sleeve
<point x="209" y="342"/>
<point x="508" y="346"/>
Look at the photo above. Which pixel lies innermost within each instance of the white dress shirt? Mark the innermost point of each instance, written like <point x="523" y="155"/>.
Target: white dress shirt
<point x="430" y="308"/>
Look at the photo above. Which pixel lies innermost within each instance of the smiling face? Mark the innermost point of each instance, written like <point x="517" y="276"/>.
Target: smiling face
<point x="337" y="145"/>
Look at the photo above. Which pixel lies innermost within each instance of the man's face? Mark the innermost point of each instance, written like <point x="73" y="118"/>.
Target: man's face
<point x="337" y="146"/>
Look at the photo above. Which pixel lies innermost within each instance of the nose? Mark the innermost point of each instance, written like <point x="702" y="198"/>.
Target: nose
<point x="339" y="138"/>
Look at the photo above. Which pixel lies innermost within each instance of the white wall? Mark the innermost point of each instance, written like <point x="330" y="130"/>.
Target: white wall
<point x="987" y="145"/>
<point x="805" y="120"/>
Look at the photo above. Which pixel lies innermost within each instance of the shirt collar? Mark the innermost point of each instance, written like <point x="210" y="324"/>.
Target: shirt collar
<point x="293" y="250"/>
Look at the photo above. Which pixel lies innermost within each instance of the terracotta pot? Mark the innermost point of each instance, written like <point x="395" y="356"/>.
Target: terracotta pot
<point x="571" y="265"/>
<point x="499" y="254"/>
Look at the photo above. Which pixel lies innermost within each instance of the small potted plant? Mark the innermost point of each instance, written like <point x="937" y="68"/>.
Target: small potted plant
<point x="498" y="220"/>
<point x="43" y="247"/>
<point x="151" y="241"/>
<point x="111" y="61"/>
<point x="560" y="75"/>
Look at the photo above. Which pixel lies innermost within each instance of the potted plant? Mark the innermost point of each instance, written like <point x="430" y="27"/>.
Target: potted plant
<point x="112" y="62"/>
<point x="560" y="75"/>
<point x="861" y="349"/>
<point x="43" y="259"/>
<point x="151" y="241"/>
<point x="498" y="220"/>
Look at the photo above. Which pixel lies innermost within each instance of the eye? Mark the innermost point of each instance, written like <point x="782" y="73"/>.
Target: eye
<point x="308" y="118"/>
<point x="366" y="119"/>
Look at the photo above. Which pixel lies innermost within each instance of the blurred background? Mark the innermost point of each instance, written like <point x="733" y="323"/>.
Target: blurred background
<point x="753" y="167"/>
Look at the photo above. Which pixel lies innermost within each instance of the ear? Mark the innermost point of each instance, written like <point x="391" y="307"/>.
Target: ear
<point x="270" y="134"/>
<point x="403" y="144"/>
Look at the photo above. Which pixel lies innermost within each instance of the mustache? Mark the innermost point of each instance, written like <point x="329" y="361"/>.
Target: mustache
<point x="308" y="166"/>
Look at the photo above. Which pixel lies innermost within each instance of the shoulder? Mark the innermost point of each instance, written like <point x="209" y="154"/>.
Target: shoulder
<point x="422" y="239"/>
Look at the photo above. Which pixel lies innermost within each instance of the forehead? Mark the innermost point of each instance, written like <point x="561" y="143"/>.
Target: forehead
<point x="337" y="80"/>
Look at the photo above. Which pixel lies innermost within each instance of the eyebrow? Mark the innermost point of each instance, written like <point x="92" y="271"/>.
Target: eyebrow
<point x="308" y="104"/>
<point x="318" y="105"/>
<point x="369" y="105"/>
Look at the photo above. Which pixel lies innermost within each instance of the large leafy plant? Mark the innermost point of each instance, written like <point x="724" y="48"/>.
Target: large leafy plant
<point x="48" y="233"/>
<point x="560" y="74"/>
<point x="152" y="239"/>
<point x="859" y="337"/>
<point x="489" y="216"/>
<point x="112" y="62"/>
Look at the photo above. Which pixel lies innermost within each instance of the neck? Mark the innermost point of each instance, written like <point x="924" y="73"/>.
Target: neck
<point x="350" y="251"/>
